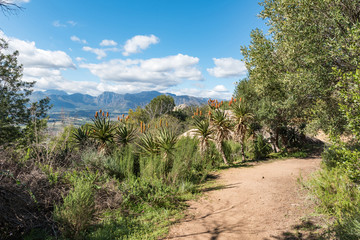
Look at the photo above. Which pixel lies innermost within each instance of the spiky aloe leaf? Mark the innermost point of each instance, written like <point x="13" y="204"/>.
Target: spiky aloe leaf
<point x="125" y="133"/>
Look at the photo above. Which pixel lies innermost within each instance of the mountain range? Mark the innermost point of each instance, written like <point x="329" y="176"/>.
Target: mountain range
<point x="84" y="105"/>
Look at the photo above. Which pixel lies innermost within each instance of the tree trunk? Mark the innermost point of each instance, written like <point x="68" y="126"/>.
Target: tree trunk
<point x="221" y="151"/>
<point x="242" y="152"/>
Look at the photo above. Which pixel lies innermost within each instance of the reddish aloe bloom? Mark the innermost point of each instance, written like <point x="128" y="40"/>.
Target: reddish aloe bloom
<point x="107" y="114"/>
<point x="96" y="114"/>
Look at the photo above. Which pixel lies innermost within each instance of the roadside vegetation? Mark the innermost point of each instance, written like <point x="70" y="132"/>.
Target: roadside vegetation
<point x="130" y="178"/>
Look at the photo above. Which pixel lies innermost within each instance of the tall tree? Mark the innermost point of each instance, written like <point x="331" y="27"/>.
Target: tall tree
<point x="160" y="105"/>
<point x="291" y="72"/>
<point x="13" y="96"/>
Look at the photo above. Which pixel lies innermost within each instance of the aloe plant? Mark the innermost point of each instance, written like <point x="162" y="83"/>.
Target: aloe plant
<point x="125" y="133"/>
<point x="204" y="132"/>
<point x="222" y="129"/>
<point x="81" y="136"/>
<point x="166" y="140"/>
<point x="148" y="144"/>
<point x="102" y="130"/>
<point x="241" y="116"/>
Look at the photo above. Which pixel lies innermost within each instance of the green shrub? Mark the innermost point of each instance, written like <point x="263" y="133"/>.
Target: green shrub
<point x="345" y="158"/>
<point x="339" y="198"/>
<point x="121" y="164"/>
<point x="75" y="214"/>
<point x="232" y="151"/>
<point x="259" y="148"/>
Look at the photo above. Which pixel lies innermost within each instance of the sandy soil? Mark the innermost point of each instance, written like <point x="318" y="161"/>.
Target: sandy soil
<point x="264" y="201"/>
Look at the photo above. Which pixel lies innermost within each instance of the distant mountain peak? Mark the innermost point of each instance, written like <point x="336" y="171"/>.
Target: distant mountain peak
<point x="79" y="104"/>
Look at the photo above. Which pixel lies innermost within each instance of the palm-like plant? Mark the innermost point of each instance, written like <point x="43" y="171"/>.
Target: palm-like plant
<point x="204" y="132"/>
<point x="166" y="140"/>
<point x="241" y="116"/>
<point x="102" y="130"/>
<point x="125" y="133"/>
<point x="222" y="129"/>
<point x="148" y="144"/>
<point x="81" y="136"/>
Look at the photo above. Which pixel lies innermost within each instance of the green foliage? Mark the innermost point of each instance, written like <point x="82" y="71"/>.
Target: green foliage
<point x="242" y="119"/>
<point x="14" y="93"/>
<point x="259" y="148"/>
<point x="204" y="132"/>
<point x="166" y="140"/>
<point x="121" y="164"/>
<point x="349" y="87"/>
<point x="148" y="143"/>
<point x="222" y="127"/>
<point x="76" y="213"/>
<point x="81" y="136"/>
<point x="233" y="151"/>
<point x="340" y="156"/>
<point x="160" y="105"/>
<point x="102" y="130"/>
<point x="51" y="173"/>
<point x="125" y="133"/>
<point x="139" y="115"/>
<point x="338" y="198"/>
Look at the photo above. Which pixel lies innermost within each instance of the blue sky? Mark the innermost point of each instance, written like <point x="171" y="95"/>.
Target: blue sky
<point x="187" y="47"/>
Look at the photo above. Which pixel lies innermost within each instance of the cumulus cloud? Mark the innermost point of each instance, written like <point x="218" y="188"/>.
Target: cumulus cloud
<point x="42" y="66"/>
<point x="31" y="56"/>
<point x="155" y="73"/>
<point x="227" y="67"/>
<point x="80" y="59"/>
<point x="77" y="39"/>
<point x="138" y="43"/>
<point x="106" y="43"/>
<point x="100" y="52"/>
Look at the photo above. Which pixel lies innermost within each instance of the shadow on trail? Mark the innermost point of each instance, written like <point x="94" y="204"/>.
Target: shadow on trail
<point x="214" y="231"/>
<point x="307" y="230"/>
<point x="220" y="187"/>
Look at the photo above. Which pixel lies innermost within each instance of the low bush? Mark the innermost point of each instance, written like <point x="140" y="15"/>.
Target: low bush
<point x="75" y="214"/>
<point x="345" y="158"/>
<point x="338" y="197"/>
<point x="259" y="148"/>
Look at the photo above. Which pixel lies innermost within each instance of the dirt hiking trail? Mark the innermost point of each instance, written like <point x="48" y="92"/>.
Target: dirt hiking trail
<point x="264" y="201"/>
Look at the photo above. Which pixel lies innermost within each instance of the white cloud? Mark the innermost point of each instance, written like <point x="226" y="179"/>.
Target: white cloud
<point x="57" y="23"/>
<point x="17" y="1"/>
<point x="218" y="92"/>
<point x="138" y="43"/>
<point x="31" y="56"/>
<point x="107" y="42"/>
<point x="77" y="39"/>
<point x="220" y="88"/>
<point x="155" y="73"/>
<point x="227" y="67"/>
<point x="80" y="59"/>
<point x="42" y="66"/>
<point x="100" y="52"/>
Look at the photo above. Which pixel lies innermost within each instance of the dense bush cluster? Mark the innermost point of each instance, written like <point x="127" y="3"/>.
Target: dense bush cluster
<point x="122" y="178"/>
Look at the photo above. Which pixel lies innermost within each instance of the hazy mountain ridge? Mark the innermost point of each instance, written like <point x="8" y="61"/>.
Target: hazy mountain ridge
<point x="80" y="104"/>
